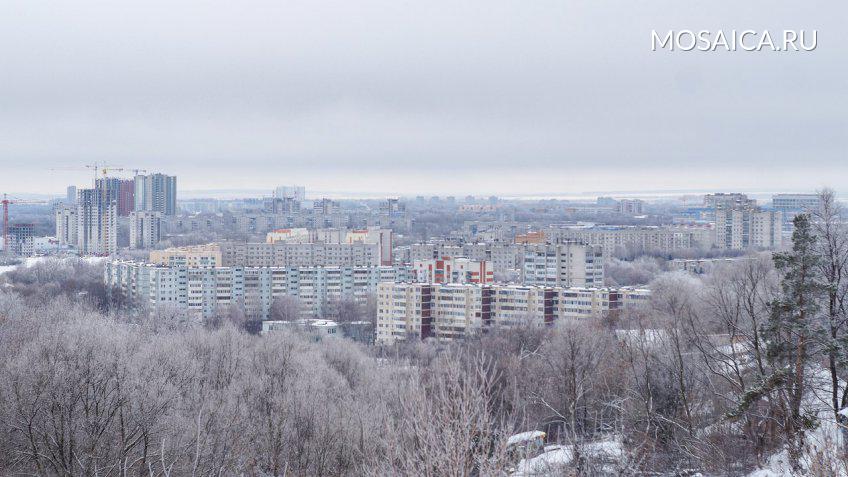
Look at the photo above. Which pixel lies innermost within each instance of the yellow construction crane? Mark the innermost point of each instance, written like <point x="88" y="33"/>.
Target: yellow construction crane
<point x="103" y="169"/>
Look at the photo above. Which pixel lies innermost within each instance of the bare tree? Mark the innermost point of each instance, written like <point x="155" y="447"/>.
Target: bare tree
<point x="832" y="246"/>
<point x="286" y="308"/>
<point x="445" y="426"/>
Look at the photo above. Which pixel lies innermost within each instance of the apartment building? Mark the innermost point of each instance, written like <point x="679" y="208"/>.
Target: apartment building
<point x="791" y="205"/>
<point x="206" y="291"/>
<point x="296" y="235"/>
<point x="326" y="207"/>
<point x="630" y="206"/>
<point x="569" y="264"/>
<point x="728" y="200"/>
<point x="121" y="191"/>
<point x="145" y="229"/>
<point x="566" y="264"/>
<point x="531" y="237"/>
<point x="97" y="228"/>
<point x="156" y="193"/>
<point x="741" y="228"/>
<point x="453" y="270"/>
<point x="21" y="240"/>
<point x="282" y="254"/>
<point x="502" y="257"/>
<point x="71" y="195"/>
<point x="411" y="311"/>
<point x="282" y="206"/>
<point x="194" y="256"/>
<point x="371" y="235"/>
<point x="613" y="238"/>
<point x="66" y="223"/>
<point x="795" y="202"/>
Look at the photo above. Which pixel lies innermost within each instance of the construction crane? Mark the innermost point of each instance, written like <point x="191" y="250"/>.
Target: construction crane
<point x="6" y="201"/>
<point x="103" y="169"/>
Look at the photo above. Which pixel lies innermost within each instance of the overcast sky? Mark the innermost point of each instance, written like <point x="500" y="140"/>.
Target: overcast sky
<point x="450" y="97"/>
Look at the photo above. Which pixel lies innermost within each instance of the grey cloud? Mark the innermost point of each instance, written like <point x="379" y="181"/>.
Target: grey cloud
<point x="348" y="95"/>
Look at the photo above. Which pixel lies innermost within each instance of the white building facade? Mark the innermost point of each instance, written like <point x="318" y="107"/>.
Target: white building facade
<point x="66" y="224"/>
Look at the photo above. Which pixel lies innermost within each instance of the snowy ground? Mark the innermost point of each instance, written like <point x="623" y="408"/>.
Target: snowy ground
<point x="556" y="458"/>
<point x="30" y="261"/>
<point x="823" y="443"/>
<point x="7" y="268"/>
<point x="821" y="457"/>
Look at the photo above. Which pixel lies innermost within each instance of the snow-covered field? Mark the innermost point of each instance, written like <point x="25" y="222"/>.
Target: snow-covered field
<point x="30" y="261"/>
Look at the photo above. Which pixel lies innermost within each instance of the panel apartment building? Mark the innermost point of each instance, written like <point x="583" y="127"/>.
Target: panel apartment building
<point x="206" y="291"/>
<point x="382" y="237"/>
<point x="282" y="254"/>
<point x="503" y="257"/>
<point x="145" y="229"/>
<point x="564" y="264"/>
<point x="452" y="270"/>
<point x="568" y="264"/>
<point x="415" y="311"/>
<point x="613" y="238"/>
<point x="196" y="256"/>
<point x="744" y="227"/>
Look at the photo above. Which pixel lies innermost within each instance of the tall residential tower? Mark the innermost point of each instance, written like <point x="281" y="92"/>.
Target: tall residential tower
<point x="156" y="193"/>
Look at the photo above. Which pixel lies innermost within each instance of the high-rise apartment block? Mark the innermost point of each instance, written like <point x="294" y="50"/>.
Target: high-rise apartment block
<point x="71" y="197"/>
<point x="97" y="225"/>
<point x="66" y="224"/>
<point x="415" y="311"/>
<point x="282" y="254"/>
<point x="145" y="229"/>
<point x="614" y="238"/>
<point x="382" y="237"/>
<point x="206" y="291"/>
<point x="569" y="264"/>
<point x="21" y="240"/>
<point x="121" y="191"/>
<point x="744" y="227"/>
<point x="156" y="193"/>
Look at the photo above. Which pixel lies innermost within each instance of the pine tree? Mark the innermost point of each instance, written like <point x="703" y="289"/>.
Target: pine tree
<point x="791" y="332"/>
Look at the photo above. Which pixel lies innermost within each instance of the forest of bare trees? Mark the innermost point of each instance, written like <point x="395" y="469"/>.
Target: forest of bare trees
<point x="720" y="374"/>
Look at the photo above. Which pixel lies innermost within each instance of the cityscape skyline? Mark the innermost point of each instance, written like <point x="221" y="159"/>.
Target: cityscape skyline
<point x="374" y="237"/>
<point x="577" y="192"/>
